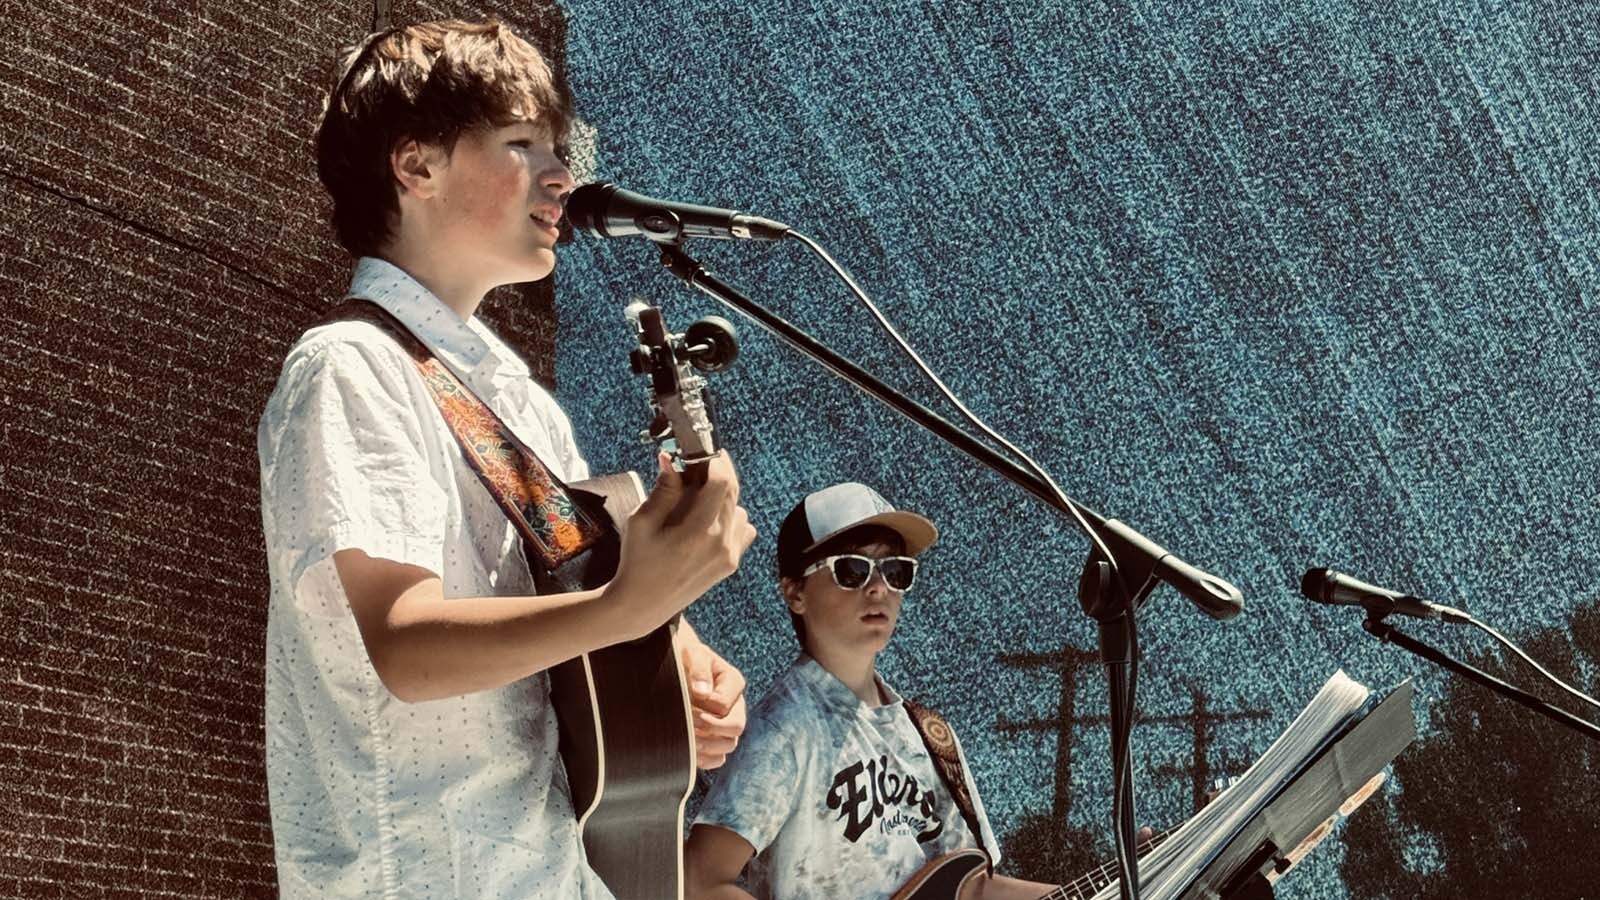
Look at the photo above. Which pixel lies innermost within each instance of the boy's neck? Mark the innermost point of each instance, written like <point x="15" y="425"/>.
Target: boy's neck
<point x="858" y="674"/>
<point x="462" y="292"/>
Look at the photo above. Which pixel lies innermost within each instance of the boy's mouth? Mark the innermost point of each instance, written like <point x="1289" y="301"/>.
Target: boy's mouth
<point x="875" y="617"/>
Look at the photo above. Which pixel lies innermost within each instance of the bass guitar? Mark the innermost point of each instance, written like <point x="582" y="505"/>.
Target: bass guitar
<point x="626" y="726"/>
<point x="956" y="876"/>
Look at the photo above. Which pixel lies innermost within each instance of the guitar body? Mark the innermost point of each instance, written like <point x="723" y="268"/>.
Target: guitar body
<point x="627" y="739"/>
<point x="628" y="744"/>
<point x="945" y="878"/>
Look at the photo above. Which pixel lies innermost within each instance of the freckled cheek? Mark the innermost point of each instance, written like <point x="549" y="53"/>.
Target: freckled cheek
<point x="496" y="198"/>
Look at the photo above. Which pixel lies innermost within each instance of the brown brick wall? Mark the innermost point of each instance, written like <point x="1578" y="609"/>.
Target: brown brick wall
<point x="163" y="243"/>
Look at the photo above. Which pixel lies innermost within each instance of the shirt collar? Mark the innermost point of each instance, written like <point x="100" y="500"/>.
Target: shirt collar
<point x="833" y="691"/>
<point x="461" y="344"/>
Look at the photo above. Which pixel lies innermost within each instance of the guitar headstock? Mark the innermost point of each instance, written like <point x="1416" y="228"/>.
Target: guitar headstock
<point x="676" y="365"/>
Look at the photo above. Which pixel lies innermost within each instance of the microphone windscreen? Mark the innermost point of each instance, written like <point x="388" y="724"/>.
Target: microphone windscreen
<point x="1312" y="584"/>
<point x="586" y="206"/>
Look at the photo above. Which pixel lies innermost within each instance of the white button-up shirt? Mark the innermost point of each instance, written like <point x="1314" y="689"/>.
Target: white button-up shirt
<point x="372" y="797"/>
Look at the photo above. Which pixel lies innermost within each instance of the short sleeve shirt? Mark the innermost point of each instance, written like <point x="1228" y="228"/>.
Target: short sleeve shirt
<point x="839" y="798"/>
<point x="372" y="797"/>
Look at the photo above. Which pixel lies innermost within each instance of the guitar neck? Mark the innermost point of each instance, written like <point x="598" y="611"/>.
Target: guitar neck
<point x="694" y="472"/>
<point x="1090" y="883"/>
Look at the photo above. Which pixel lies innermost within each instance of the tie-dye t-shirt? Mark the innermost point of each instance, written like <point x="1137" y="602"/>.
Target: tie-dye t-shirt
<point x="840" y="799"/>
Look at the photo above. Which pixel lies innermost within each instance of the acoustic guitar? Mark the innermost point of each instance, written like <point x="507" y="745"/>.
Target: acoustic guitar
<point x="626" y="726"/>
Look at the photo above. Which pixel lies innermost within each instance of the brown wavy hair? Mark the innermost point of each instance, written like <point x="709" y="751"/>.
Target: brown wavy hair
<point x="431" y="82"/>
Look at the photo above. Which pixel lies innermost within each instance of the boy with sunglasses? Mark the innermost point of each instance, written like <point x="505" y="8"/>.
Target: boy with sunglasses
<point x="833" y="789"/>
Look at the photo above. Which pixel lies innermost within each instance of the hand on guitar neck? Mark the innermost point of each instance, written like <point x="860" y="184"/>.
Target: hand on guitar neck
<point x="639" y="715"/>
<point x="716" y="688"/>
<point x="680" y="542"/>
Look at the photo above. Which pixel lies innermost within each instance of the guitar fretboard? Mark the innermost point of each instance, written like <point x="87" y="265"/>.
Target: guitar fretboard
<point x="1089" y="884"/>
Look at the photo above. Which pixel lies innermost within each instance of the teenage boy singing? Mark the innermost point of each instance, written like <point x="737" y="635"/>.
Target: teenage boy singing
<point x="411" y="744"/>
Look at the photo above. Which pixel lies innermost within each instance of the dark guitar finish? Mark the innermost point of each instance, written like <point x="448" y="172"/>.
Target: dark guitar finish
<point x="628" y="743"/>
<point x="627" y="732"/>
<point x="943" y="878"/>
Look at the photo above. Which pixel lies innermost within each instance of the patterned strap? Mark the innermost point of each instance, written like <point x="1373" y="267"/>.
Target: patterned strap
<point x="941" y="743"/>
<point x="553" y="527"/>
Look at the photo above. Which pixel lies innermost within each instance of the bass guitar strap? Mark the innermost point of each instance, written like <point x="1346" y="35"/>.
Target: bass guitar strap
<point x="559" y="526"/>
<point x="940" y="740"/>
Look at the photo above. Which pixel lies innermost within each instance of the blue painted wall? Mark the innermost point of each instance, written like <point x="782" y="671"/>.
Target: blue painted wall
<point x="1282" y="285"/>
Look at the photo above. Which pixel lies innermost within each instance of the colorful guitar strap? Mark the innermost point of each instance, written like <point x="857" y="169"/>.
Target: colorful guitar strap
<point x="558" y="529"/>
<point x="555" y="528"/>
<point x="941" y="743"/>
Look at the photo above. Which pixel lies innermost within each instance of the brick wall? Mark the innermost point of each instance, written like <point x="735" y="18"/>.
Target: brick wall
<point x="163" y="243"/>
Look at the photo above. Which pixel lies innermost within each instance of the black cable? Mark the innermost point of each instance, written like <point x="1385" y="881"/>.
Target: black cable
<point x="1530" y="661"/>
<point x="1027" y="461"/>
<point x="1126" y="672"/>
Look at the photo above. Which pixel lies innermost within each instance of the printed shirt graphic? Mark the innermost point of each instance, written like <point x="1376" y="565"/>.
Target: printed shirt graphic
<point x="371" y="797"/>
<point x="840" y="799"/>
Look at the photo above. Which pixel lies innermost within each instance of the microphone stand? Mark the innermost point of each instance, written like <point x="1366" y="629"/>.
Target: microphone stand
<point x="1383" y="631"/>
<point x="1138" y="560"/>
<point x="1113" y="608"/>
<point x="692" y="273"/>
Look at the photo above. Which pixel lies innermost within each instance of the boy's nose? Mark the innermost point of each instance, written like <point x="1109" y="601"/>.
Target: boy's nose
<point x="559" y="178"/>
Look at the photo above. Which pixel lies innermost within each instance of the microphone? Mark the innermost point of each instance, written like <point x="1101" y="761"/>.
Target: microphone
<point x="1338" y="589"/>
<point x="605" y="210"/>
<point x="1140" y="558"/>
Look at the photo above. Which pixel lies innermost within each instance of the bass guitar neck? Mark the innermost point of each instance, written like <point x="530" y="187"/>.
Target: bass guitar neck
<point x="954" y="876"/>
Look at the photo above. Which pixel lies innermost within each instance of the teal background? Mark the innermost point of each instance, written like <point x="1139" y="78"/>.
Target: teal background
<point x="1282" y="285"/>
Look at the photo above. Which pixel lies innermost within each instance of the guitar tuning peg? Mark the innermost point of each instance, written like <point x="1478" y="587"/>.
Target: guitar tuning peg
<point x="632" y="311"/>
<point x="711" y="343"/>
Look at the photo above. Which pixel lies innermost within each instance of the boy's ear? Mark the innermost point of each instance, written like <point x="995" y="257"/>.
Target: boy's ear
<point x="792" y="597"/>
<point x="416" y="167"/>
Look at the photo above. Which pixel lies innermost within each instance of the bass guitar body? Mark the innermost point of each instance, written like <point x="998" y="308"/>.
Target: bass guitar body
<point x="627" y="738"/>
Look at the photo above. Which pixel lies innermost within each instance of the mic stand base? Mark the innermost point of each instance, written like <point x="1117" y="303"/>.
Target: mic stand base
<point x="1383" y="631"/>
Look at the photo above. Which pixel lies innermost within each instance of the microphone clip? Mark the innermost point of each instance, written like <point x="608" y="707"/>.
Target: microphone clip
<point x="1105" y="601"/>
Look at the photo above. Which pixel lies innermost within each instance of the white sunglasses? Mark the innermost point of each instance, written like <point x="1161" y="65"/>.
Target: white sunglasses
<point x="852" y="571"/>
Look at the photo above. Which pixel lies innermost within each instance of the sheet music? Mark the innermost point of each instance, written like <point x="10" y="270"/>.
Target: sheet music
<point x="1166" y="872"/>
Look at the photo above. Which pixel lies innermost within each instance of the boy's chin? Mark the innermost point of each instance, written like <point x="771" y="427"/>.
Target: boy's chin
<point x="539" y="265"/>
<point x="861" y="646"/>
<point x="878" y="639"/>
<point x="521" y="270"/>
